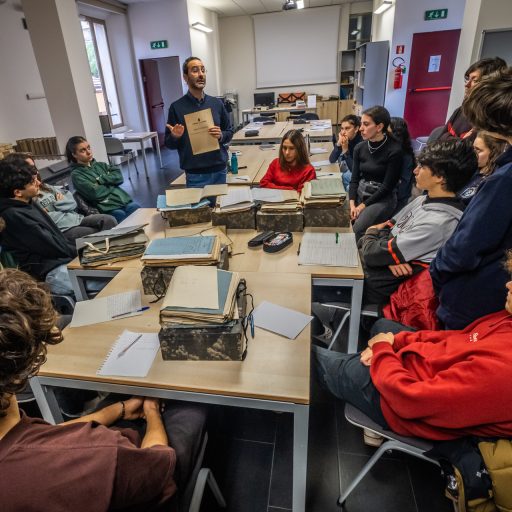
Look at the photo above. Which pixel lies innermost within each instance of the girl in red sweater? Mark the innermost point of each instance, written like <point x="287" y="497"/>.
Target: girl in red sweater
<point x="292" y="169"/>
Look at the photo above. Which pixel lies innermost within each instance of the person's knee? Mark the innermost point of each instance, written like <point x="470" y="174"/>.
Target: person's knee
<point x="109" y="221"/>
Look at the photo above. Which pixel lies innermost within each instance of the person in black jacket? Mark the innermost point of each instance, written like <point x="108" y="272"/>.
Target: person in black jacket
<point x="29" y="234"/>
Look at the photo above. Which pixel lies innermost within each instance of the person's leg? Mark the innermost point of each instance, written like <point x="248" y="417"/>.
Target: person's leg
<point x="345" y="178"/>
<point x="197" y="180"/>
<point x="185" y="427"/>
<point x="59" y="282"/>
<point x="386" y="325"/>
<point x="130" y="208"/>
<point x="119" y="214"/>
<point x="348" y="379"/>
<point x="99" y="221"/>
<point x="219" y="177"/>
<point x="374" y="214"/>
<point x="72" y="234"/>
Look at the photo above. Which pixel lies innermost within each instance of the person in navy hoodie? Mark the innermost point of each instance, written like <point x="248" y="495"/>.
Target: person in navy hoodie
<point x="206" y="168"/>
<point x="468" y="271"/>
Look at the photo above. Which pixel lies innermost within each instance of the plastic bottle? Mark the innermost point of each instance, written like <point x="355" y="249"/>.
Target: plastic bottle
<point x="234" y="163"/>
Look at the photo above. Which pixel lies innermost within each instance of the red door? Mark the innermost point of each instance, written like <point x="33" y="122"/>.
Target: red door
<point x="430" y="80"/>
<point x="153" y="95"/>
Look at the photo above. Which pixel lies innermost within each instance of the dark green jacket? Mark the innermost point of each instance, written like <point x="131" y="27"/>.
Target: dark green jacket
<point x="99" y="185"/>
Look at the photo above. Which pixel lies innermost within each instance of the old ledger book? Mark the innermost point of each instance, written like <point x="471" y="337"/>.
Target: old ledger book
<point x="181" y="196"/>
<point x="197" y="124"/>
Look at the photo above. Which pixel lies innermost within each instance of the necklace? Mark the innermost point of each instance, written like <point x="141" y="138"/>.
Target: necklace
<point x="372" y="149"/>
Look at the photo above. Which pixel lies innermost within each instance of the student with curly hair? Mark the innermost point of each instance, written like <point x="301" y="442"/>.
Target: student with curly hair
<point x="82" y="464"/>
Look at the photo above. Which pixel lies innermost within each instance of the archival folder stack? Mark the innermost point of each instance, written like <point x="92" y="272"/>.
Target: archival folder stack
<point x="202" y="315"/>
<point x="324" y="203"/>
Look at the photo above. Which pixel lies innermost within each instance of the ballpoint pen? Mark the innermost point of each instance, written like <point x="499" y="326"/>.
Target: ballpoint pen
<point x="130" y="312"/>
<point x="298" y="250"/>
<point x="251" y="323"/>
<point x="337" y="237"/>
<point x="125" y="349"/>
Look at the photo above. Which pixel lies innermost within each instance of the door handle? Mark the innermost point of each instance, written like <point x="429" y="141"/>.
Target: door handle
<point x="158" y="105"/>
<point x="429" y="89"/>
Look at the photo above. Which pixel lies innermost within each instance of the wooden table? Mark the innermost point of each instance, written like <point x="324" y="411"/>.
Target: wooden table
<point x="273" y="133"/>
<point x="274" y="376"/>
<point x="243" y="259"/>
<point x="246" y="112"/>
<point x="141" y="138"/>
<point x="258" y="160"/>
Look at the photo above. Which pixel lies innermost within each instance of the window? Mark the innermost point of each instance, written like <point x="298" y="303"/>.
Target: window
<point x="100" y="63"/>
<point x="359" y="30"/>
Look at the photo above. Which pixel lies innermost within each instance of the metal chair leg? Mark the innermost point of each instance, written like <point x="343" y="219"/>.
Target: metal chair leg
<point x="134" y="156"/>
<point x="338" y="330"/>
<point x="205" y="476"/>
<point x="129" y="169"/>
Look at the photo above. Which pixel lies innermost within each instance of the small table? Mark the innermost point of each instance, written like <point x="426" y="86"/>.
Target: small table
<point x="141" y="138"/>
<point x="275" y="110"/>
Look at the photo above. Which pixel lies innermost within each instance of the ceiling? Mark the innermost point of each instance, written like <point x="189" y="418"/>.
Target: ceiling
<point x="244" y="7"/>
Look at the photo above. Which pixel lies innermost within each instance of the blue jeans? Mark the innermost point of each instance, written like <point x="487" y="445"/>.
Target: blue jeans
<point x="206" y="178"/>
<point x="121" y="213"/>
<point x="345" y="178"/>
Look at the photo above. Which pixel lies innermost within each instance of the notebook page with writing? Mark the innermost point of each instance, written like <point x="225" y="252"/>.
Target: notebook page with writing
<point x="134" y="362"/>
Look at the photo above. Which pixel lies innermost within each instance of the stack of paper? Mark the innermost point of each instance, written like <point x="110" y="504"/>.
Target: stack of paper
<point x="200" y="295"/>
<point x="331" y="249"/>
<point x="326" y="192"/>
<point x="109" y="246"/>
<point x="276" y="200"/>
<point x="161" y="205"/>
<point x="192" y="196"/>
<point x="183" y="250"/>
<point x="237" y="199"/>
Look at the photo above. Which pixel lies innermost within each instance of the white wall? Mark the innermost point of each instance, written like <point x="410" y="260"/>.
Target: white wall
<point x="153" y="21"/>
<point x="169" y="70"/>
<point x="408" y="20"/>
<point x="238" y="63"/>
<point x="206" y="46"/>
<point x="20" y="118"/>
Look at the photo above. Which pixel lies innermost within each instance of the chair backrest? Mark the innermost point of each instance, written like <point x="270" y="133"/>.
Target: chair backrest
<point x="263" y="119"/>
<point x="114" y="146"/>
<point x="83" y="207"/>
<point x="310" y="116"/>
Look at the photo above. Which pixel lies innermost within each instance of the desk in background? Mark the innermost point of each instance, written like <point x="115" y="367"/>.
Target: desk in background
<point x="141" y="138"/>
<point x="274" y="376"/>
<point x="282" y="112"/>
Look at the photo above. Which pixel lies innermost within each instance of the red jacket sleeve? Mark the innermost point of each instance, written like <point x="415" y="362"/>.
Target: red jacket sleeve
<point x="405" y="338"/>
<point x="268" y="180"/>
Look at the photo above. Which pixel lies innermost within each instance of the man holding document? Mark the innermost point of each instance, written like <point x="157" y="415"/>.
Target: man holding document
<point x="198" y="126"/>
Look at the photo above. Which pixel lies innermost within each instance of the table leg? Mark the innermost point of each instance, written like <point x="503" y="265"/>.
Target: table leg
<point x="46" y="401"/>
<point x="157" y="143"/>
<point x="144" y="159"/>
<point x="300" y="456"/>
<point x="355" y="315"/>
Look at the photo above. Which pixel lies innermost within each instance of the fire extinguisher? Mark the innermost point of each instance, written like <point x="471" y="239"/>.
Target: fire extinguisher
<point x="398" y="72"/>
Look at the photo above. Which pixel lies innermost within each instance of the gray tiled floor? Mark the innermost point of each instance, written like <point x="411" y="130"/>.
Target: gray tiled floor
<point x="251" y="451"/>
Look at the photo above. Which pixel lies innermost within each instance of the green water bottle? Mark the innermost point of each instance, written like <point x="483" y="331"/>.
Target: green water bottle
<point x="234" y="163"/>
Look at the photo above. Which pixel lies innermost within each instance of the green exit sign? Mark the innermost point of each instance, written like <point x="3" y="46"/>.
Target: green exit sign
<point x="158" y="45"/>
<point x="436" y="14"/>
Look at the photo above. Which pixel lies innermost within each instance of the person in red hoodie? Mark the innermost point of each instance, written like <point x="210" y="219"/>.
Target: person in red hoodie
<point x="436" y="385"/>
<point x="292" y="169"/>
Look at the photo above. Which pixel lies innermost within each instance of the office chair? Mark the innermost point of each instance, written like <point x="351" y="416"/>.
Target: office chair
<point x="295" y="114"/>
<point x="115" y="148"/>
<point x="268" y="114"/>
<point x="411" y="445"/>
<point x="82" y="206"/>
<point x="260" y="119"/>
<point x="310" y="116"/>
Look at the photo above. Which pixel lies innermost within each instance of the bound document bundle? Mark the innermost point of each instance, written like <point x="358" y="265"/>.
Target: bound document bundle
<point x="276" y="200"/>
<point x="109" y="246"/>
<point x="323" y="192"/>
<point x="189" y="196"/>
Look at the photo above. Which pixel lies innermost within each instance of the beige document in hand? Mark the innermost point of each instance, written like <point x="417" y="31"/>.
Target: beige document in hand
<point x="197" y="125"/>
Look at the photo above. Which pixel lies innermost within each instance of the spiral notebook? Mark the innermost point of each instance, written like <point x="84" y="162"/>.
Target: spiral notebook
<point x="136" y="360"/>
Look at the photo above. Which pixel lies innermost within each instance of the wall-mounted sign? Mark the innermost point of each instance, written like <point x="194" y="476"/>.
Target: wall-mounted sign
<point x="400" y="48"/>
<point x="436" y="14"/>
<point x="158" y="45"/>
<point x="434" y="63"/>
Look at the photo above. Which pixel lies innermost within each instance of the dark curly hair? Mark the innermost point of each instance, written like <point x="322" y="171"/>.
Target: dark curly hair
<point x="16" y="175"/>
<point x="454" y="160"/>
<point x="27" y="325"/>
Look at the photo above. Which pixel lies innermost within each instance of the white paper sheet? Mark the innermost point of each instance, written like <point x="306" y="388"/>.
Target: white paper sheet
<point x="236" y="195"/>
<point x="281" y="320"/>
<point x="320" y="163"/>
<point x="103" y="309"/>
<point x="317" y="151"/>
<point x="323" y="249"/>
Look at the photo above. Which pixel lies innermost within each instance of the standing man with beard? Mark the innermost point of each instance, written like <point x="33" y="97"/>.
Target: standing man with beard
<point x="206" y="168"/>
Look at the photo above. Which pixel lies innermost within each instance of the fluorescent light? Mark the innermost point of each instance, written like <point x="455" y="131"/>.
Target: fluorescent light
<point x="202" y="27"/>
<point x="384" y="6"/>
<point x="300" y="4"/>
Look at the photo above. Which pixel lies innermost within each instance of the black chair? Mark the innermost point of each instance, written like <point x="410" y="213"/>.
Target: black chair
<point x="83" y="207"/>
<point x="115" y="148"/>
<point x="296" y="114"/>
<point x="310" y="116"/>
<point x="262" y="119"/>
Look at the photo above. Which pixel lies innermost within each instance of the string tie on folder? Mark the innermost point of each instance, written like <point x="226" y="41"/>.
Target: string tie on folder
<point x="94" y="248"/>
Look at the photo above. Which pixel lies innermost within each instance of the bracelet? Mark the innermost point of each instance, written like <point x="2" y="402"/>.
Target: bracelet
<point x="123" y="410"/>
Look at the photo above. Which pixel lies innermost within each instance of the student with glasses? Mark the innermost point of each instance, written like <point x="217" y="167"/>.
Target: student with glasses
<point x="210" y="167"/>
<point x="458" y="126"/>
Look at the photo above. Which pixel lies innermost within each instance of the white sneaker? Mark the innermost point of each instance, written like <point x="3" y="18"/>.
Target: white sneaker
<point x="372" y="438"/>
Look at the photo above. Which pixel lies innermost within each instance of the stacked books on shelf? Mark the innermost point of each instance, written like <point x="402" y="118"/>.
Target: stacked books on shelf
<point x="109" y="246"/>
<point x="183" y="250"/>
<point x="200" y="297"/>
<point x="276" y="200"/>
<point x="327" y="192"/>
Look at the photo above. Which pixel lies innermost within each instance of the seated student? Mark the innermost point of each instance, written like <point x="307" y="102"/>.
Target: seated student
<point x="458" y="125"/>
<point x="400" y="131"/>
<point x="60" y="205"/>
<point x="36" y="243"/>
<point x="488" y="149"/>
<point x="469" y="265"/>
<point x="414" y="235"/>
<point x="348" y="138"/>
<point x="292" y="169"/>
<point x="429" y="384"/>
<point x="375" y="172"/>
<point x="64" y="467"/>
<point x="98" y="182"/>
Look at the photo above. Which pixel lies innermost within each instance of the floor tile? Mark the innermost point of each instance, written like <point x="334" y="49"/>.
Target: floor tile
<point x="282" y="467"/>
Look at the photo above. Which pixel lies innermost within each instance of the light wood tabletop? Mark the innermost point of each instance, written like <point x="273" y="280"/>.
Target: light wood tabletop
<point x="276" y="368"/>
